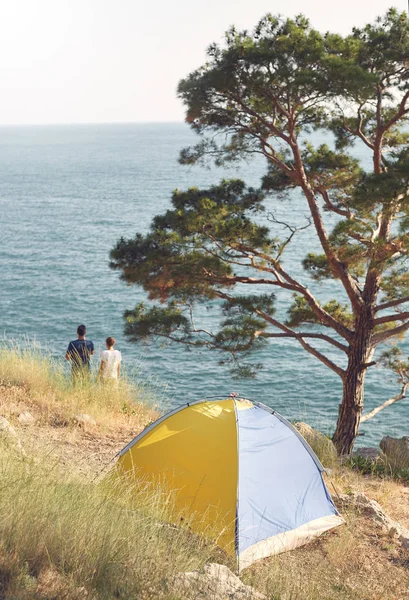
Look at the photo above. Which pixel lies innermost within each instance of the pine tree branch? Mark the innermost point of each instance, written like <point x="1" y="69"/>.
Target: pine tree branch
<point x="402" y="111"/>
<point x="319" y="336"/>
<point x="344" y="212"/>
<point x="293" y="285"/>
<point x="392" y="303"/>
<point x="340" y="268"/>
<point x="292" y="334"/>
<point x="324" y="359"/>
<point x="389" y="318"/>
<point x="358" y="132"/>
<point x="324" y="317"/>
<point x="327" y="362"/>
<point x="249" y="111"/>
<point x="390" y="333"/>
<point x="375" y="411"/>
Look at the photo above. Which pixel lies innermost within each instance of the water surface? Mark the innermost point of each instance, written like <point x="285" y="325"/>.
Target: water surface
<point x="67" y="193"/>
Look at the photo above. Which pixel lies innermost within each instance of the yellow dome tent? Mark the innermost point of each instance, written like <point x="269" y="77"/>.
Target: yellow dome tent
<point x="240" y="472"/>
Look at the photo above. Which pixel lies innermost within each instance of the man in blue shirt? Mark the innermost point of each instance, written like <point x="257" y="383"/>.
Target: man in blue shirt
<point x="79" y="352"/>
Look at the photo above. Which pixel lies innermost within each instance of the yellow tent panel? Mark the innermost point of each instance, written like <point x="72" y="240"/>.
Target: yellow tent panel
<point x="194" y="451"/>
<point x="238" y="472"/>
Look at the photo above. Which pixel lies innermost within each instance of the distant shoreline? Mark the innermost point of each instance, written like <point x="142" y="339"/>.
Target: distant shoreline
<point x="90" y="124"/>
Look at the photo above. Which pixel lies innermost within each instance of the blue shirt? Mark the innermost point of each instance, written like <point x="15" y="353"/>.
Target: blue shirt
<point x="80" y="352"/>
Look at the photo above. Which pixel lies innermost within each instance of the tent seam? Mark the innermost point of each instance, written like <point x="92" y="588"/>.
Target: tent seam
<point x="236" y="528"/>
<point x="295" y="431"/>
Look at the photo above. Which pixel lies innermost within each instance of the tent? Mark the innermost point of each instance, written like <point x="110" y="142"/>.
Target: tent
<point x="240" y="471"/>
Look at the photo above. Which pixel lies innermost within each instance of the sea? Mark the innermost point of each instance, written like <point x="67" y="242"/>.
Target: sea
<point x="69" y="192"/>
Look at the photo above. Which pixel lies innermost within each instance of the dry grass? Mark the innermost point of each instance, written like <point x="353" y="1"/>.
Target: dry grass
<point x="31" y="380"/>
<point x="61" y="538"/>
<point x="391" y="495"/>
<point x="354" y="562"/>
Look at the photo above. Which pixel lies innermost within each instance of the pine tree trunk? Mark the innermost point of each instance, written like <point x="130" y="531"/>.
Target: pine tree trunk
<point x="350" y="410"/>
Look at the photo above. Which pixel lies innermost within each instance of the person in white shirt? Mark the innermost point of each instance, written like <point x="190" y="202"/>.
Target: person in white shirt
<point x="110" y="367"/>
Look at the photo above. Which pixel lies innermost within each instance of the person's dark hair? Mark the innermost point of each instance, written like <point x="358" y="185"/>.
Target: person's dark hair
<point x="81" y="330"/>
<point x="110" y="341"/>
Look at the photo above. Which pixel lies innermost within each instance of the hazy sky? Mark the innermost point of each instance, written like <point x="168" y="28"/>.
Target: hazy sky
<point x="76" y="61"/>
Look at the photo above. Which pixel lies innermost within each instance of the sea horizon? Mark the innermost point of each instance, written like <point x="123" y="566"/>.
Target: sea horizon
<point x="69" y="192"/>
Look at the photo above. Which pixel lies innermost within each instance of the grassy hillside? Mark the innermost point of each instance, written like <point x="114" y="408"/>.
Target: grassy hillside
<point x="44" y="383"/>
<point x="68" y="533"/>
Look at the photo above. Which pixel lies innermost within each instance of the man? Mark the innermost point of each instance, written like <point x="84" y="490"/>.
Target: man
<point x="79" y="352"/>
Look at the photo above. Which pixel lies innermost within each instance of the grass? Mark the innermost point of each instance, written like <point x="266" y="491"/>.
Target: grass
<point x="379" y="468"/>
<point x="64" y="537"/>
<point x="29" y="375"/>
<point x="60" y="537"/>
<point x="353" y="562"/>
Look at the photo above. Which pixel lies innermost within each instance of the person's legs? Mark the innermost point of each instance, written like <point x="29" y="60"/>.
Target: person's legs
<point x="81" y="374"/>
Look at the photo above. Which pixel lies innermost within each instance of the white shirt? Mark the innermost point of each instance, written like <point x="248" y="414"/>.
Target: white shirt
<point x="111" y="360"/>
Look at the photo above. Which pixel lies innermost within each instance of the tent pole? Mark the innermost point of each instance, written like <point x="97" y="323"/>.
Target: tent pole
<point x="236" y="524"/>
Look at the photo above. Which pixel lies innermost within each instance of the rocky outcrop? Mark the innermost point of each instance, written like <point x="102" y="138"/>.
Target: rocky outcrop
<point x="217" y="582"/>
<point x="322" y="446"/>
<point x="372" y="509"/>
<point x="397" y="451"/>
<point x="368" y="452"/>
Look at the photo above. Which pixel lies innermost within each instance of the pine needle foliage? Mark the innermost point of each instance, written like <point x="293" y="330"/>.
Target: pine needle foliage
<point x="265" y="92"/>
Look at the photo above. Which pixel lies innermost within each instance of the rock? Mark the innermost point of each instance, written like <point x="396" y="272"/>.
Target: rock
<point x="217" y="582"/>
<point x="4" y="424"/>
<point x="397" y="451"/>
<point x="372" y="509"/>
<point x="369" y="453"/>
<point x="322" y="446"/>
<point x="26" y="418"/>
<point x="8" y="433"/>
<point x="14" y="409"/>
<point x="85" y="420"/>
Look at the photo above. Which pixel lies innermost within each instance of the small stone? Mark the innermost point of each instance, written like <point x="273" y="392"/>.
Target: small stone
<point x="404" y="540"/>
<point x="217" y="582"/>
<point x="14" y="409"/>
<point x="4" y="424"/>
<point x="84" y="420"/>
<point x="26" y="418"/>
<point x="7" y="431"/>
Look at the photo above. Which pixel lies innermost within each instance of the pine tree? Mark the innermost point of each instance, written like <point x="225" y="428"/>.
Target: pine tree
<point x="266" y="92"/>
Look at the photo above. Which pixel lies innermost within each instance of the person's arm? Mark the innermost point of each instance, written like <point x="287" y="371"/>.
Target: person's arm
<point x="119" y="364"/>
<point x="68" y="353"/>
<point x="101" y="368"/>
<point x="92" y="349"/>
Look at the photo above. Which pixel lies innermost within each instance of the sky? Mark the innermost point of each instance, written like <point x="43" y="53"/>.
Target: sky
<point x="106" y="61"/>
